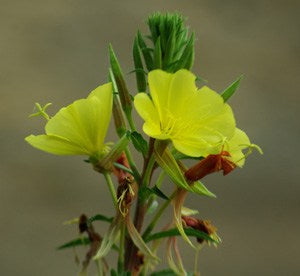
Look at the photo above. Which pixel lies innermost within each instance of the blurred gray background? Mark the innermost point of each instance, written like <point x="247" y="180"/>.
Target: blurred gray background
<point x="56" y="51"/>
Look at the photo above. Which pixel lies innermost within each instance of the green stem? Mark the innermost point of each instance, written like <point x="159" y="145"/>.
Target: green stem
<point x="130" y="120"/>
<point x="157" y="216"/>
<point x="111" y="188"/>
<point x="132" y="165"/>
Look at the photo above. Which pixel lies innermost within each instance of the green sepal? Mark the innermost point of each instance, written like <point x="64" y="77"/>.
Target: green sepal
<point x="170" y="49"/>
<point x="157" y="55"/>
<point x="229" y="91"/>
<point x="139" y="68"/>
<point x="146" y="54"/>
<point x="118" y="114"/>
<point x="120" y="81"/>
<point x="166" y="160"/>
<point x="139" y="142"/>
<point x="186" y="60"/>
<point x="106" y="163"/>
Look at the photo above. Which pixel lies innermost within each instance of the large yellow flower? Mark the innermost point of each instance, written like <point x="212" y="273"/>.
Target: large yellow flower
<point x="79" y="128"/>
<point x="196" y="120"/>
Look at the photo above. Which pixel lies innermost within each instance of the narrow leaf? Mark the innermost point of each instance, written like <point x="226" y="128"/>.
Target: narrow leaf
<point x="229" y="91"/>
<point x="74" y="243"/>
<point x="100" y="217"/>
<point x="139" y="142"/>
<point x="165" y="272"/>
<point x="175" y="232"/>
<point x="158" y="192"/>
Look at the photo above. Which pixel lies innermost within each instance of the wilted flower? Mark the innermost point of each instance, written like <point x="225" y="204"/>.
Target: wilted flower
<point x="230" y="155"/>
<point x="202" y="225"/>
<point x="196" y="120"/>
<point x="79" y="128"/>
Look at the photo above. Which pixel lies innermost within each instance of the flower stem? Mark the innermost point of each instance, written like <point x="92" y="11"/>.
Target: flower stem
<point x="111" y="188"/>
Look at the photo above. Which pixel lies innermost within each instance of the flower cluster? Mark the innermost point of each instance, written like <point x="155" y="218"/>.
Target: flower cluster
<point x="181" y="120"/>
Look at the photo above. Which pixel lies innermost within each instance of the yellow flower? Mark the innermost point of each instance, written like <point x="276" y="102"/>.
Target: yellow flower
<point x="196" y="120"/>
<point x="79" y="128"/>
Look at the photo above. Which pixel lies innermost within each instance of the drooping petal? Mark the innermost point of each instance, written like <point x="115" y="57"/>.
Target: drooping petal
<point x="236" y="144"/>
<point x="55" y="145"/>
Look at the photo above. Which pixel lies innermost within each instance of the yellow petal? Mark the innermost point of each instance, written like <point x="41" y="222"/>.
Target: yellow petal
<point x="210" y="114"/>
<point x="192" y="146"/>
<point x="55" y="145"/>
<point x="85" y="121"/>
<point x="236" y="144"/>
<point x="148" y="112"/>
<point x="182" y="89"/>
<point x="159" y="84"/>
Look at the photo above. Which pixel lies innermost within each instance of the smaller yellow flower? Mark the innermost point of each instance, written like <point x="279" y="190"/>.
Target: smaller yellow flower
<point x="196" y="120"/>
<point x="79" y="128"/>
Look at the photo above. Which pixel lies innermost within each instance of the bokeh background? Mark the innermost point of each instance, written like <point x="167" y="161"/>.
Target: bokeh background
<point x="56" y="51"/>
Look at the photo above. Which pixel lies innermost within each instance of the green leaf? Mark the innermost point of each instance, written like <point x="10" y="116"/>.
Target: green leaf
<point x="139" y="143"/>
<point x="101" y="218"/>
<point x="74" y="243"/>
<point x="165" y="272"/>
<point x="155" y="190"/>
<point x="229" y="91"/>
<point x="175" y="232"/>
<point x="145" y="192"/>
<point x="79" y="242"/>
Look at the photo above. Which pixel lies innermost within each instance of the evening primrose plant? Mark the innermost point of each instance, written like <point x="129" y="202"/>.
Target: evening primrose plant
<point x="182" y="120"/>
